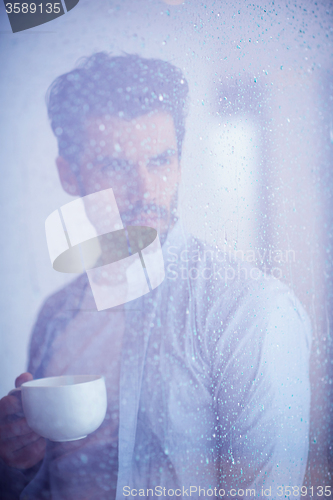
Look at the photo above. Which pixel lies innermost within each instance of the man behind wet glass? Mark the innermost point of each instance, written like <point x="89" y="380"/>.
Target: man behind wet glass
<point x="207" y="378"/>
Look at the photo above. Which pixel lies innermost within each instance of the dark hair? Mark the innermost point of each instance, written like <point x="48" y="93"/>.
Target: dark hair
<point x="127" y="86"/>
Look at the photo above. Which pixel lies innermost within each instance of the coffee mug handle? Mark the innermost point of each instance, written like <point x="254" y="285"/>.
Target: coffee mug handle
<point x="14" y="391"/>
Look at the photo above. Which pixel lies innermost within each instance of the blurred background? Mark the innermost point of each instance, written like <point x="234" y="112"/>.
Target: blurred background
<point x="257" y="160"/>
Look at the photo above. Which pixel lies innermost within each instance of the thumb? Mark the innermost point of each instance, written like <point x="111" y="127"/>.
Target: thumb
<point x="24" y="377"/>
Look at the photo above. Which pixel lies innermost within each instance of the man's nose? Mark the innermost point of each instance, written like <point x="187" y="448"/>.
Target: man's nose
<point x="141" y="185"/>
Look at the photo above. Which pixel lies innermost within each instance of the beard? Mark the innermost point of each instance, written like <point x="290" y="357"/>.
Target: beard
<point x="160" y="217"/>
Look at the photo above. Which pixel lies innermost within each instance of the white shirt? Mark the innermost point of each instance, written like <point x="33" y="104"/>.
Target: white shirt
<point x="207" y="379"/>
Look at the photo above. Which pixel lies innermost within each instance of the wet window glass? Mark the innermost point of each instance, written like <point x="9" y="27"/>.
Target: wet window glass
<point x="166" y="204"/>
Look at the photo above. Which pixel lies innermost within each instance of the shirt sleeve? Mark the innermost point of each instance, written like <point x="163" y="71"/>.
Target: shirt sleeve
<point x="262" y="393"/>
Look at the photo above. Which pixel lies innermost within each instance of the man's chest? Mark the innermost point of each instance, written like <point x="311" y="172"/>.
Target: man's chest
<point x="155" y="344"/>
<point x="91" y="343"/>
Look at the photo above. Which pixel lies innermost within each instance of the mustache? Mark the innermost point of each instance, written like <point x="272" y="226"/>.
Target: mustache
<point x="140" y="209"/>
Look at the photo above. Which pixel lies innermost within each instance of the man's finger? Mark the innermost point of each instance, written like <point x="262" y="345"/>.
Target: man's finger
<point x="28" y="456"/>
<point x="10" y="405"/>
<point x="13" y="445"/>
<point x="14" y="429"/>
<point x="24" y="377"/>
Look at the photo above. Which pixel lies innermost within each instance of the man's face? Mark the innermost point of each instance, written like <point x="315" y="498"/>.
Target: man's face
<point x="138" y="159"/>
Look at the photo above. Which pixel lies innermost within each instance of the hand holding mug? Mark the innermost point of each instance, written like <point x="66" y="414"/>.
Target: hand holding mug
<point x="65" y="408"/>
<point x="20" y="446"/>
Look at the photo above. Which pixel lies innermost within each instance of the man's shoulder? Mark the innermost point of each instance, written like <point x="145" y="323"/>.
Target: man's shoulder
<point x="215" y="271"/>
<point x="229" y="287"/>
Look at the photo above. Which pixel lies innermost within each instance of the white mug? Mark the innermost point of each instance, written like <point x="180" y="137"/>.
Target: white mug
<point x="64" y="408"/>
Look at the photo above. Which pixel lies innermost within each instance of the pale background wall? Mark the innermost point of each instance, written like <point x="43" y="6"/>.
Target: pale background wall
<point x="255" y="171"/>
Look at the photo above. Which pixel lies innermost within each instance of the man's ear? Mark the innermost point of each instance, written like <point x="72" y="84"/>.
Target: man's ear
<point x="67" y="177"/>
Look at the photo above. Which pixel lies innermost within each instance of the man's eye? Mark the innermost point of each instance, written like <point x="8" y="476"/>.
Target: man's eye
<point x="162" y="160"/>
<point x="159" y="162"/>
<point x="115" y="166"/>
